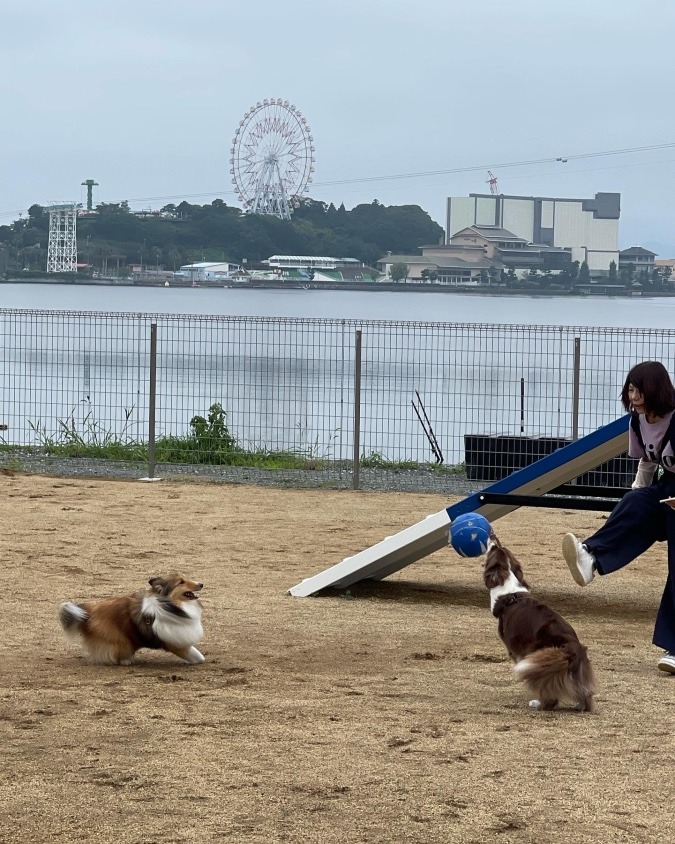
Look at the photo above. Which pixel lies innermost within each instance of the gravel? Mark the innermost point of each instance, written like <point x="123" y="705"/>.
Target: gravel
<point x="376" y="479"/>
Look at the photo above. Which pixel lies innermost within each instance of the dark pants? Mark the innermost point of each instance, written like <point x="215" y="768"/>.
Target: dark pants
<point x="634" y="525"/>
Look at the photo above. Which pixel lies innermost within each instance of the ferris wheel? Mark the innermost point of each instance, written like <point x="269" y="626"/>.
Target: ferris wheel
<point x="272" y="158"/>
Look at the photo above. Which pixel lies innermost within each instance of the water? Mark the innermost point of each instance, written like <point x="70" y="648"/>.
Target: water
<point x="619" y="312"/>
<point x="290" y="386"/>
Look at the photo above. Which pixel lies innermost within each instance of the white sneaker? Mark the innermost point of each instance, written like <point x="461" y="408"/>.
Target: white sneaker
<point x="579" y="559"/>
<point x="667" y="663"/>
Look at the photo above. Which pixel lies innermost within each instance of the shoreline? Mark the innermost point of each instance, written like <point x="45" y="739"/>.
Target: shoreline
<point x="369" y="286"/>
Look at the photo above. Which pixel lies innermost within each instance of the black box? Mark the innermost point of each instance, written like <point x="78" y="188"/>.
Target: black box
<point x="493" y="458"/>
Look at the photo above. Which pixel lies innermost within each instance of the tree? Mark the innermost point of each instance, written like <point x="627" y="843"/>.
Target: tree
<point x="657" y="278"/>
<point x="484" y="277"/>
<point x="184" y="232"/>
<point x="584" y="276"/>
<point x="627" y="274"/>
<point x="612" y="278"/>
<point x="399" y="271"/>
<point x="106" y="209"/>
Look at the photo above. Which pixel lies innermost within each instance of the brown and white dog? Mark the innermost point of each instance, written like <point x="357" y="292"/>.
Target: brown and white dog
<point x="548" y="656"/>
<point x="166" y="616"/>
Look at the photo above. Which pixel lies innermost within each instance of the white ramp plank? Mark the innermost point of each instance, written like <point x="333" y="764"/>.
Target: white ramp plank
<point x="396" y="551"/>
<point x="431" y="534"/>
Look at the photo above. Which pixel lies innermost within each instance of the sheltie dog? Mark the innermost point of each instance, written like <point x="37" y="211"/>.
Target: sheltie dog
<point x="548" y="656"/>
<point x="166" y="616"/>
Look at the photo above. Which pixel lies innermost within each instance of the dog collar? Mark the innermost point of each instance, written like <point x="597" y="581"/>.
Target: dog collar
<point x="505" y="601"/>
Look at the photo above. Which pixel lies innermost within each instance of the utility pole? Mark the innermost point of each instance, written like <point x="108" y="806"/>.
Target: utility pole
<point x="90" y="184"/>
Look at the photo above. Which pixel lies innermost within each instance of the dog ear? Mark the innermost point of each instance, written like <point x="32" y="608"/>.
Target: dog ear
<point x="491" y="574"/>
<point x="517" y="569"/>
<point x="157" y="584"/>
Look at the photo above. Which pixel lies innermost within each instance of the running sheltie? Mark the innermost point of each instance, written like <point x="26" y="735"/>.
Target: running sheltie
<point x="165" y="616"/>
<point x="548" y="656"/>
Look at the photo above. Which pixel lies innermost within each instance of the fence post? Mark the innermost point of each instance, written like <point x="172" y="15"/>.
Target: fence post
<point x="575" y="389"/>
<point x="357" y="409"/>
<point x="152" y="401"/>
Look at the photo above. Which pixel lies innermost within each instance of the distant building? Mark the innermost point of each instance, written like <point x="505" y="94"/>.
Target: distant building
<point x="207" y="270"/>
<point x="308" y="268"/>
<point x="587" y="228"/>
<point x="641" y="259"/>
<point x="475" y="252"/>
<point x="312" y="262"/>
<point x="665" y="264"/>
<point x="416" y="264"/>
<point x="499" y="247"/>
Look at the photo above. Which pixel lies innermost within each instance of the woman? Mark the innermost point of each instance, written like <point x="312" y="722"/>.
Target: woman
<point x="642" y="517"/>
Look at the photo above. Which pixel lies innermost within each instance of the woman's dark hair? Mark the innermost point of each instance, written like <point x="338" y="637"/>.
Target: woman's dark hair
<point x="652" y="379"/>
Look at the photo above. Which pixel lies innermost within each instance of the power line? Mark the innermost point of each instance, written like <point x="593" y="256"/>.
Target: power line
<point x="562" y="159"/>
<point x="558" y="159"/>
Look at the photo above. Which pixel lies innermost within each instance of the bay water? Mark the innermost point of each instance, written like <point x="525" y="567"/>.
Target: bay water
<point x="612" y="312"/>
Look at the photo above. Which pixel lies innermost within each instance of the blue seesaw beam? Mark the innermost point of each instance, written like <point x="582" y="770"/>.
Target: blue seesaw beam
<point x="431" y="534"/>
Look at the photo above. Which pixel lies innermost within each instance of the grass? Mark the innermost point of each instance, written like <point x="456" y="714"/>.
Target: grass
<point x="208" y="442"/>
<point x="175" y="450"/>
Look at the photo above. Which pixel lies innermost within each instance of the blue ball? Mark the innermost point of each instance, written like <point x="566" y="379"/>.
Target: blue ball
<point x="469" y="534"/>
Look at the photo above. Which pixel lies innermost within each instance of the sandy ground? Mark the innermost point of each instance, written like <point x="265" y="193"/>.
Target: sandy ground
<point x="386" y="714"/>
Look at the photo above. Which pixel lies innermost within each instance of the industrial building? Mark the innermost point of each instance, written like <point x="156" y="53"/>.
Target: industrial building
<point x="587" y="228"/>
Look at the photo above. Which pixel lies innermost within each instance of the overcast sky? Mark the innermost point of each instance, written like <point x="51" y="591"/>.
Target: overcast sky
<point x="144" y="96"/>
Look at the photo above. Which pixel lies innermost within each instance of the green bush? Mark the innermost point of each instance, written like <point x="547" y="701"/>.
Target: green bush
<point x="209" y="441"/>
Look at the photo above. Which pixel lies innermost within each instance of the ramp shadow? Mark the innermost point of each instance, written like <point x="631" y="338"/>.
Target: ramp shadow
<point x="461" y="594"/>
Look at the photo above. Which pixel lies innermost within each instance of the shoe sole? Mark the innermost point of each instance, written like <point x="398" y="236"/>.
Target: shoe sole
<point x="667" y="667"/>
<point x="569" y="549"/>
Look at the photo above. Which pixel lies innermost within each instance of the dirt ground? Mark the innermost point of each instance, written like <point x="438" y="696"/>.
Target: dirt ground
<point x="386" y="714"/>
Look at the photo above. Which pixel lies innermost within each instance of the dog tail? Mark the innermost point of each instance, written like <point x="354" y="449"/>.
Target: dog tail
<point x="552" y="673"/>
<point x="547" y="662"/>
<point x="71" y="616"/>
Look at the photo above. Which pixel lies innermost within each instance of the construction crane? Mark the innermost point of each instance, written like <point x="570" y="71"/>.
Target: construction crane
<point x="90" y="183"/>
<point x="492" y="181"/>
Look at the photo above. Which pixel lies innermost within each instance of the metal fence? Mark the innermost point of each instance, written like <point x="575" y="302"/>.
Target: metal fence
<point x="315" y="401"/>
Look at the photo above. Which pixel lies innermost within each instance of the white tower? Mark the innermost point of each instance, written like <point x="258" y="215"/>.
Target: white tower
<point x="62" y="249"/>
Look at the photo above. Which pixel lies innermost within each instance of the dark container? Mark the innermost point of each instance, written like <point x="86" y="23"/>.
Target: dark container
<point x="493" y="458"/>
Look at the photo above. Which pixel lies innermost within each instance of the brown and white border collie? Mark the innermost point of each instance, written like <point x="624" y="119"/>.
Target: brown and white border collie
<point x="547" y="653"/>
<point x="166" y="616"/>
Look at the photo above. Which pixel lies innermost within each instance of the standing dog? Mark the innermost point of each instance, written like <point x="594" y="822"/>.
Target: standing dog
<point x="165" y="616"/>
<point x="548" y="656"/>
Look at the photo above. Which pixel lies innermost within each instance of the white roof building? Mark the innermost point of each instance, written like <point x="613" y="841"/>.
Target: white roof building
<point x="302" y="262"/>
<point x="207" y="270"/>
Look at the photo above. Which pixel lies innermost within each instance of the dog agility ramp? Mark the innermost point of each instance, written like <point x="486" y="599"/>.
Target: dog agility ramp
<point x="423" y="538"/>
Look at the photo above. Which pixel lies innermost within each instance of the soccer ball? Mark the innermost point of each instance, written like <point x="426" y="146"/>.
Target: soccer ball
<point x="469" y="534"/>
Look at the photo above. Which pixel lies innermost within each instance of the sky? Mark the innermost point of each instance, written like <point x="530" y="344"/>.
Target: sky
<point x="408" y="102"/>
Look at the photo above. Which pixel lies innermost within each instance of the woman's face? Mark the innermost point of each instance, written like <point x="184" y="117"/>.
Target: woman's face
<point x="636" y="398"/>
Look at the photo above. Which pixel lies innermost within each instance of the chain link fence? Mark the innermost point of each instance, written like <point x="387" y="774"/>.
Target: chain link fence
<point x="318" y="402"/>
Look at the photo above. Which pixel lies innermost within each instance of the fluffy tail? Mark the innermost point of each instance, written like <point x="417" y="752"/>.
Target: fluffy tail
<point x="71" y="616"/>
<point x="554" y="673"/>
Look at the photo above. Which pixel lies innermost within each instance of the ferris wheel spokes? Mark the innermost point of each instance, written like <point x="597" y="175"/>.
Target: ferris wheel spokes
<point x="270" y="195"/>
